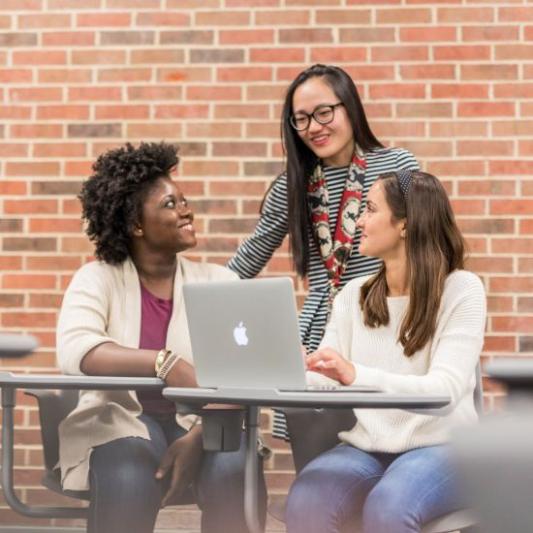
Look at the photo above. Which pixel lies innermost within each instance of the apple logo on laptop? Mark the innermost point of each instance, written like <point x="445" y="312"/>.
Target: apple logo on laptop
<point x="239" y="334"/>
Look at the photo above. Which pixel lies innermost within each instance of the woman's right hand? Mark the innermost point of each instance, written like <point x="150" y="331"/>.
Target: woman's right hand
<point x="332" y="364"/>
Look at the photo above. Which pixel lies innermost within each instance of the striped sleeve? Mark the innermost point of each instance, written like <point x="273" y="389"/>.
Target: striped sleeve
<point x="272" y="227"/>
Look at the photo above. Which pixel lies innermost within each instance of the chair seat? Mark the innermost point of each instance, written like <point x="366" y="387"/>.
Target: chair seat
<point x="455" y="521"/>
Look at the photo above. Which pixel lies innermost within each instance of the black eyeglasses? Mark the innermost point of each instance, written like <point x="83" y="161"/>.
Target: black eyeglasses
<point x="323" y="114"/>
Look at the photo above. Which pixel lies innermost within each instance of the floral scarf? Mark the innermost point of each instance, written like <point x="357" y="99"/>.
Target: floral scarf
<point x="336" y="252"/>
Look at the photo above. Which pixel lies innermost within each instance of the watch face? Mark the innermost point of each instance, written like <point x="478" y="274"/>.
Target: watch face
<point x="349" y="216"/>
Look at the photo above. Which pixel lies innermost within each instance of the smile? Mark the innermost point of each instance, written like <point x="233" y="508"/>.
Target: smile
<point x="320" y="140"/>
<point x="186" y="227"/>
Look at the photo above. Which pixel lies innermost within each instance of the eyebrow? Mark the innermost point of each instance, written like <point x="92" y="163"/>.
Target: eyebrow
<point x="314" y="108"/>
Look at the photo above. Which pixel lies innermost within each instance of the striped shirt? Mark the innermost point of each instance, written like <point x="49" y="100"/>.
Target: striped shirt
<point x="256" y="250"/>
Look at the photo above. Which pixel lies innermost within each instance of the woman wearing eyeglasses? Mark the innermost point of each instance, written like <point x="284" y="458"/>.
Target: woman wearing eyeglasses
<point x="332" y="160"/>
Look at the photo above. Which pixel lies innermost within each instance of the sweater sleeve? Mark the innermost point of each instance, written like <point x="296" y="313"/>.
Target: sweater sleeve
<point x="82" y="322"/>
<point x="254" y="253"/>
<point x="455" y="350"/>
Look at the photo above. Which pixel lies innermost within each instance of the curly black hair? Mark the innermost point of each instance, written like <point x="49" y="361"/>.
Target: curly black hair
<point x="113" y="195"/>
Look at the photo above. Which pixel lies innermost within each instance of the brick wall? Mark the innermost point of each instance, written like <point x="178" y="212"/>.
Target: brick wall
<point x="451" y="80"/>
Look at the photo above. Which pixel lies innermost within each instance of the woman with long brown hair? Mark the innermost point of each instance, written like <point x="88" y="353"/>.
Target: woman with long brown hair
<point x="416" y="326"/>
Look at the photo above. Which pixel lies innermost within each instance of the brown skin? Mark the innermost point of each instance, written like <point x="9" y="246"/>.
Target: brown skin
<point x="164" y="230"/>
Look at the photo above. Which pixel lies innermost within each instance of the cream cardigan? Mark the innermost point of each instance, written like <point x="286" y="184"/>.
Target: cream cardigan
<point x="103" y="304"/>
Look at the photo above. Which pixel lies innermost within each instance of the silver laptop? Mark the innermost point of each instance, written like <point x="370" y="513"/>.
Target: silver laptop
<point x="244" y="334"/>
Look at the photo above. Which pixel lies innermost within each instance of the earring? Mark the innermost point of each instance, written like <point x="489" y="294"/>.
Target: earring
<point x="138" y="231"/>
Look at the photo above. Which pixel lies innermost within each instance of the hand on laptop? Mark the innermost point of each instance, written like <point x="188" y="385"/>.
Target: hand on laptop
<point x="331" y="364"/>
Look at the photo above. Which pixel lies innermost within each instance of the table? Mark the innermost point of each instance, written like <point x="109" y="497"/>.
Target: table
<point x="9" y="383"/>
<point x="193" y="398"/>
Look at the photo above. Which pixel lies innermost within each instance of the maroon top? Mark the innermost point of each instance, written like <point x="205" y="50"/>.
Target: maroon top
<point x="155" y="316"/>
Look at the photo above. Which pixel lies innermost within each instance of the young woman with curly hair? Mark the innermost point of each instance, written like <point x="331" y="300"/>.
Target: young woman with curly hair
<point x="415" y="327"/>
<point x="123" y="315"/>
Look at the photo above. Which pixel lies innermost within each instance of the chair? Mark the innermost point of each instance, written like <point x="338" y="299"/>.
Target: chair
<point x="314" y="431"/>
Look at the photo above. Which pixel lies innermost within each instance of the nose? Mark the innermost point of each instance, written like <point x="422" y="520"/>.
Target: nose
<point x="185" y="211"/>
<point x="314" y="125"/>
<point x="359" y="223"/>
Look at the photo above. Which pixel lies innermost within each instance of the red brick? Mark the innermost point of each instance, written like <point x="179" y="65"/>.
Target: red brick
<point x="490" y="33"/>
<point x="196" y="74"/>
<point x="525" y="304"/>
<point x="28" y="281"/>
<point x="246" y="37"/>
<point x="430" y="148"/>
<point x="512" y="128"/>
<point x="403" y="15"/>
<point x="277" y="55"/>
<point x="489" y="72"/>
<point x="94" y="93"/>
<point x="213" y="129"/>
<point x="40" y="57"/>
<point x="522" y="324"/>
<point x="457" y="168"/>
<point x="47" y="301"/>
<point x="418" y="72"/>
<point x="416" y="110"/>
<point x="124" y="74"/>
<point x="462" y="52"/>
<point x="213" y="93"/>
<point x="458" y="129"/>
<point x="244" y="149"/>
<point x="102" y="20"/>
<point x="494" y="343"/>
<point x="282" y="17"/>
<point x="154" y="57"/>
<point x="14" y="150"/>
<point x="526" y="227"/>
<point x="13" y="112"/>
<point x="429" y="34"/>
<point x="338" y="54"/>
<point x="468" y="207"/>
<point x="101" y="56"/>
<point x="465" y="14"/>
<point x="343" y="16"/>
<point x="486" y="188"/>
<point x="515" y="14"/>
<point x="513" y="90"/>
<point x="12" y="188"/>
<point x="511" y="207"/>
<point x="209" y="168"/>
<point x="262" y="129"/>
<point x="222" y="18"/>
<point x="484" y="226"/>
<point x="59" y="150"/>
<point x="37" y="94"/>
<point x="398" y="91"/>
<point x="488" y="148"/>
<point x="64" y="76"/>
<point x="41" y="168"/>
<point x="181" y="111"/>
<point x="55" y="225"/>
<point x="28" y="320"/>
<point x="511" y="167"/>
<point x="163" y="18"/>
<point x="54" y="263"/>
<point x="401" y="129"/>
<point x="485" y="109"/>
<point x="266" y="92"/>
<point x="32" y="131"/>
<point x="72" y="38"/>
<point x="399" y="53"/>
<point x="514" y="51"/>
<point x="127" y="112"/>
<point x="527" y="188"/>
<point x="63" y="112"/>
<point x="15" y="75"/>
<point x="512" y="246"/>
<point x="16" y="207"/>
<point x="143" y="130"/>
<point x="76" y="245"/>
<point x="241" y="111"/>
<point x="493" y="265"/>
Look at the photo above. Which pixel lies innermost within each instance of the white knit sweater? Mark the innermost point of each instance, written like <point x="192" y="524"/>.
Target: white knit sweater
<point x="446" y="365"/>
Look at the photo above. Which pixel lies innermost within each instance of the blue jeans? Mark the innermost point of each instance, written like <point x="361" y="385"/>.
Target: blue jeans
<point x="345" y="488"/>
<point x="126" y="497"/>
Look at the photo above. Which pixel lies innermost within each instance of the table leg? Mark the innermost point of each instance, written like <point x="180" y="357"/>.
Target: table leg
<point x="250" y="473"/>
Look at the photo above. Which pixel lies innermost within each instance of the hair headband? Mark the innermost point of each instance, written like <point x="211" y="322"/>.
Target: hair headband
<point x="404" y="179"/>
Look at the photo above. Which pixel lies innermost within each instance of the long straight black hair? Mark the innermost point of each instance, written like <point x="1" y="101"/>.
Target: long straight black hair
<point x="301" y="161"/>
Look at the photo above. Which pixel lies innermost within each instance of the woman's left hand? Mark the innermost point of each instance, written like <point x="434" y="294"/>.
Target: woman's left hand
<point x="330" y="363"/>
<point x="182" y="461"/>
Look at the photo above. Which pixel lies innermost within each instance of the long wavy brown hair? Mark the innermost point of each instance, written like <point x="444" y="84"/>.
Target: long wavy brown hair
<point x="434" y="248"/>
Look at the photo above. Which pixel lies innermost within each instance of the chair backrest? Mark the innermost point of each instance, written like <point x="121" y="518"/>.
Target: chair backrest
<point x="54" y="406"/>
